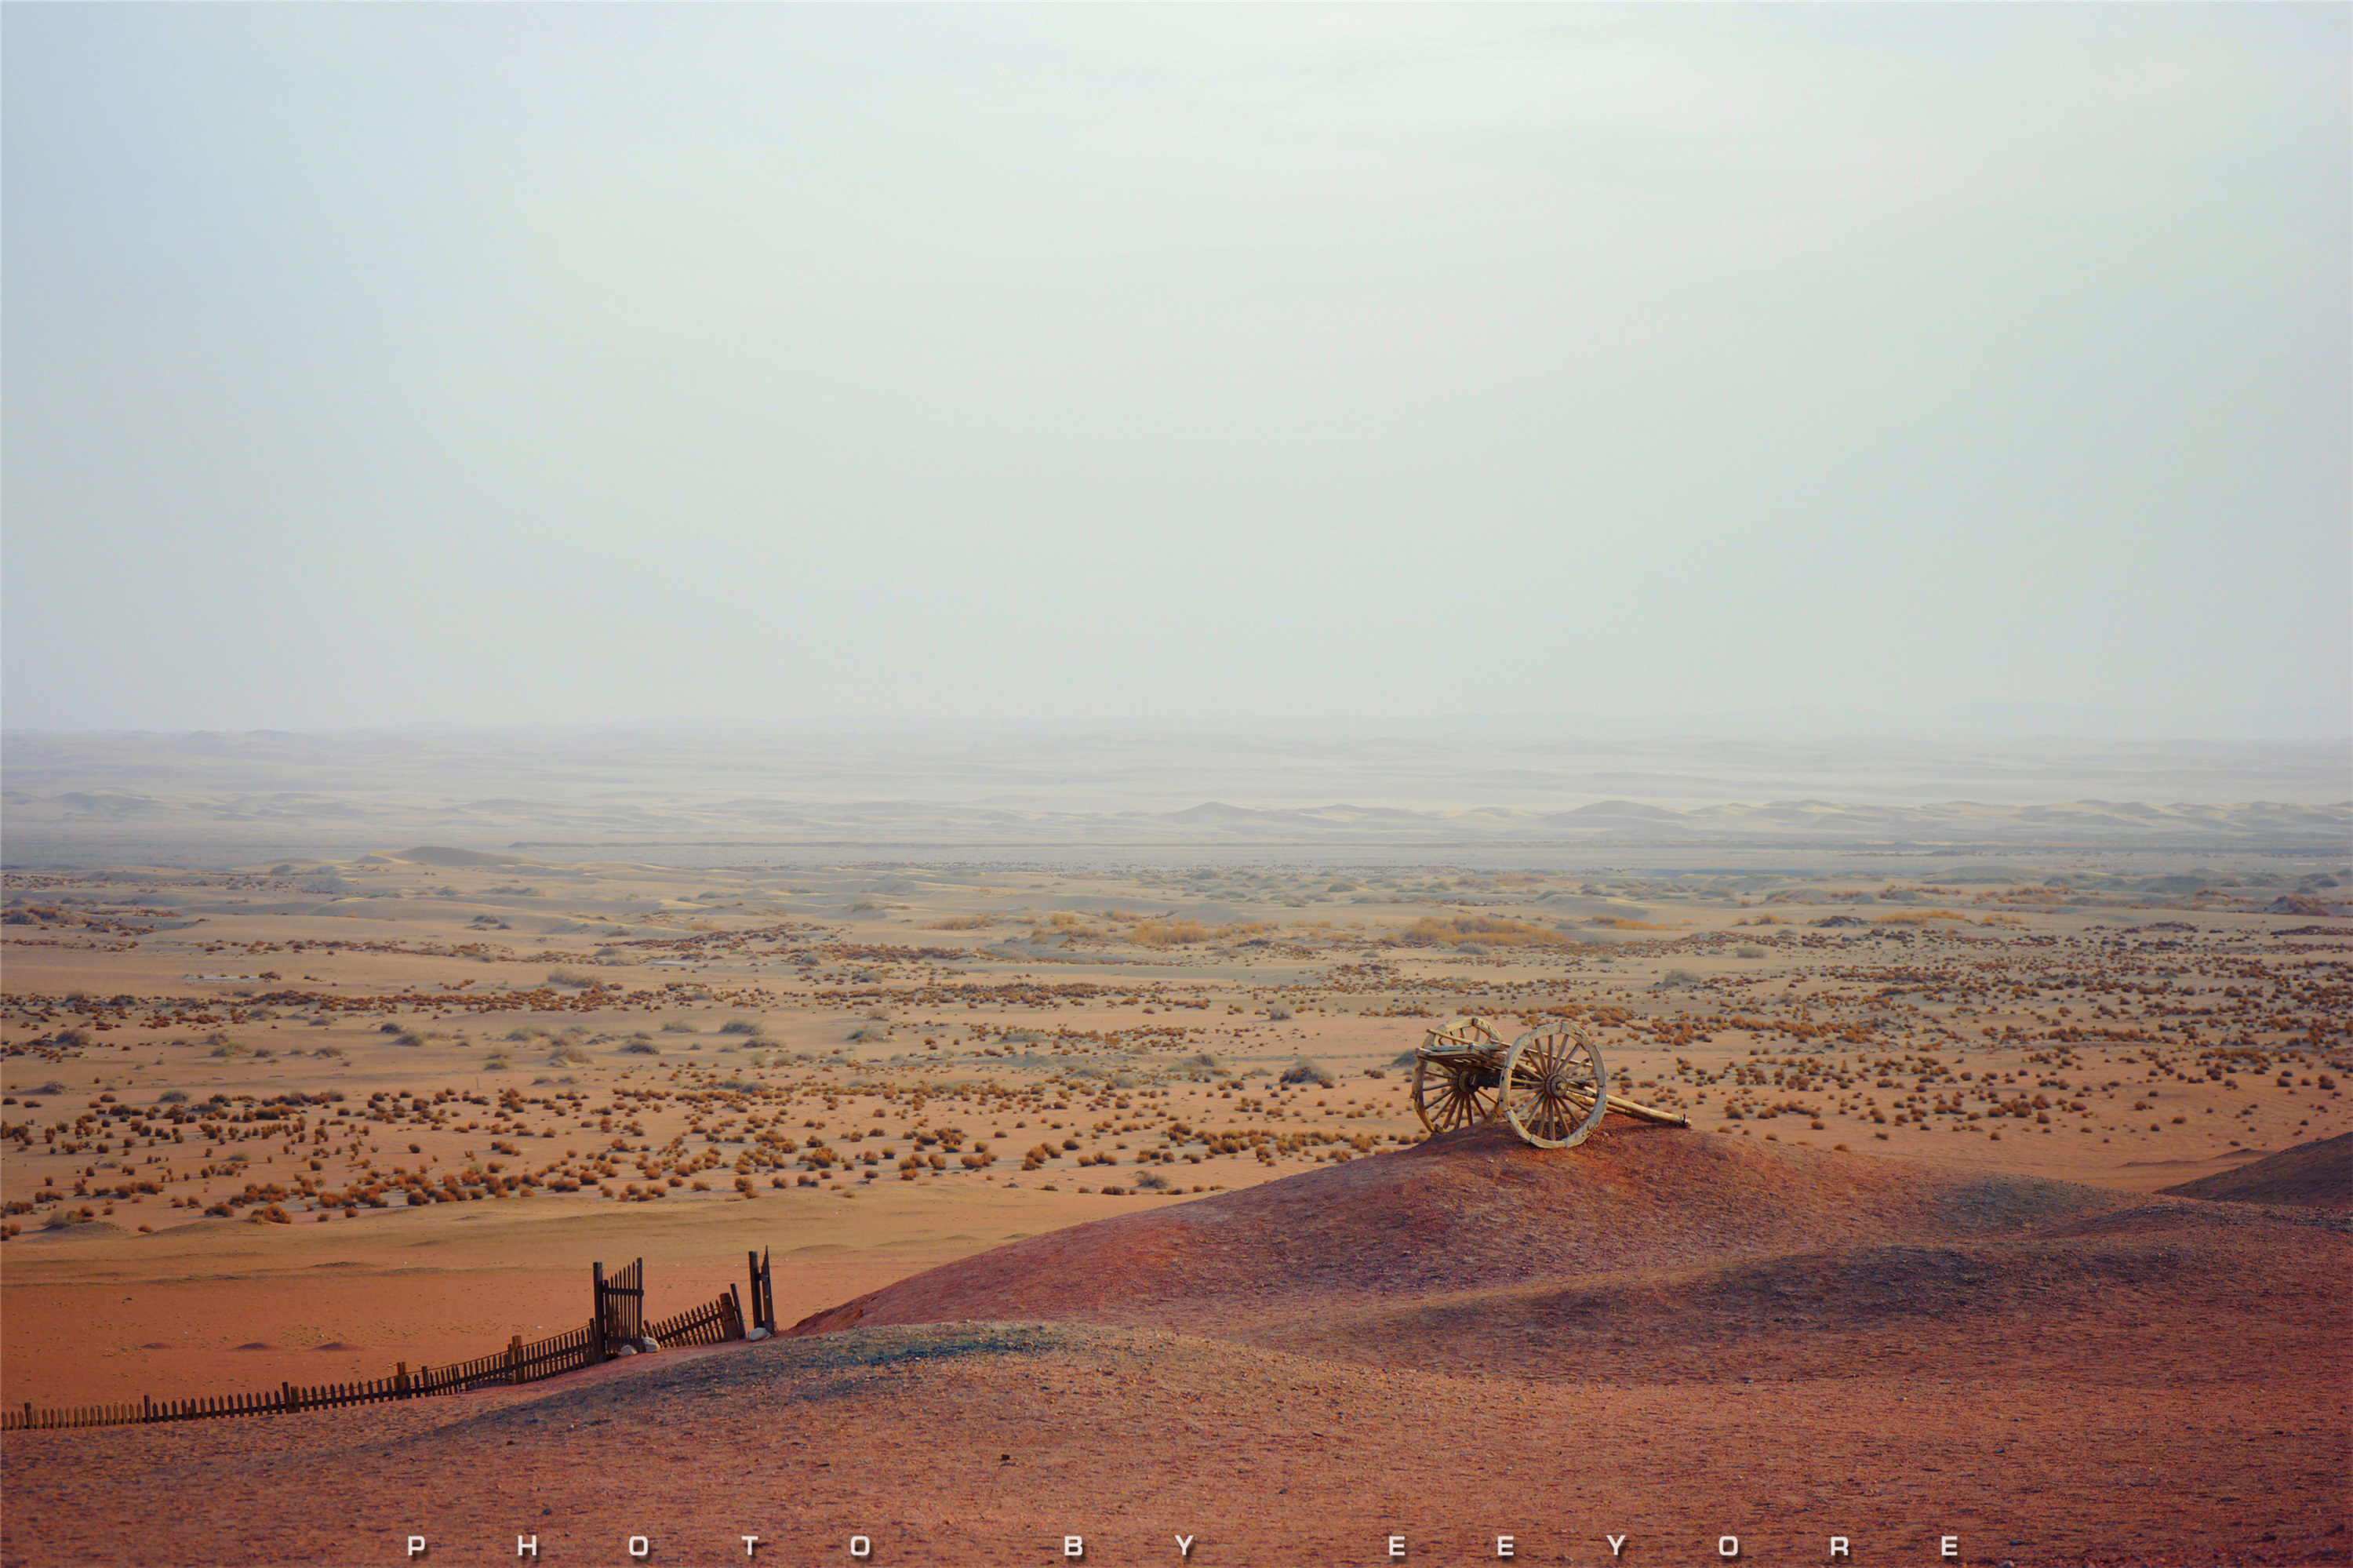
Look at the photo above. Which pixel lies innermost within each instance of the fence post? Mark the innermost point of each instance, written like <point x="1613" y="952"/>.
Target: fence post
<point x="597" y="1282"/>
<point x="515" y="1359"/>
<point x="400" y="1379"/>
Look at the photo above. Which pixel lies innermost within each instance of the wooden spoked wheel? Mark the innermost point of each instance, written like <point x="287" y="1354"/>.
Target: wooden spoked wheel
<point x="1555" y="1090"/>
<point x="1451" y="1094"/>
<point x="1454" y="1076"/>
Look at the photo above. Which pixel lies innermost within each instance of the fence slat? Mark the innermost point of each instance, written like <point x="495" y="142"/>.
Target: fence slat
<point x="620" y="1305"/>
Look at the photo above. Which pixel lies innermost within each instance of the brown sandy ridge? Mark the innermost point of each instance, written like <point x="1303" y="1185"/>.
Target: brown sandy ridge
<point x="2318" y="1174"/>
<point x="1671" y="1336"/>
<point x="1471" y="1210"/>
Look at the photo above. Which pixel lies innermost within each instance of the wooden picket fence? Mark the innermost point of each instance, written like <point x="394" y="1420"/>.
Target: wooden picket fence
<point x="709" y="1324"/>
<point x="518" y="1362"/>
<point x="764" y="1290"/>
<point x="620" y="1305"/>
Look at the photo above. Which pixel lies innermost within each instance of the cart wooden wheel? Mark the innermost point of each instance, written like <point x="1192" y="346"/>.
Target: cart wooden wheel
<point x="1451" y="1093"/>
<point x="1555" y="1090"/>
<point x="1452" y="1090"/>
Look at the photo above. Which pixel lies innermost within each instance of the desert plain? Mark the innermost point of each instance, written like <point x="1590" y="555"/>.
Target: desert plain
<point x="2010" y="1225"/>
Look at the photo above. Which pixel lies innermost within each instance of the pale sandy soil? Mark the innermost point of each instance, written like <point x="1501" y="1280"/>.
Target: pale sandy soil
<point x="1570" y="1361"/>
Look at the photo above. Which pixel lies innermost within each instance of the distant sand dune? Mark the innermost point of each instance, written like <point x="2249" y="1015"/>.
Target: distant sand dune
<point x="125" y="797"/>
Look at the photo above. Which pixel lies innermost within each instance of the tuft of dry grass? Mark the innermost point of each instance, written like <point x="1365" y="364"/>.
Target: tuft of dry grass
<point x="1482" y="931"/>
<point x="1168" y="933"/>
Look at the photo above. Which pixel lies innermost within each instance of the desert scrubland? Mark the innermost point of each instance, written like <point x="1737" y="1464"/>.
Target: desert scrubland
<point x="1099" y="1199"/>
<point x="935" y="642"/>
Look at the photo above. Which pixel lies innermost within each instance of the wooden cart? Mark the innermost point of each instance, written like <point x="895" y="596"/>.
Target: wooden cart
<point x="1548" y="1085"/>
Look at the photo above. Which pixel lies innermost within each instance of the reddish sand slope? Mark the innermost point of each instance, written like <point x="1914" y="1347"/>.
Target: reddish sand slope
<point x="2318" y="1174"/>
<point x="1669" y="1336"/>
<point x="1475" y="1209"/>
<point x="984" y="1445"/>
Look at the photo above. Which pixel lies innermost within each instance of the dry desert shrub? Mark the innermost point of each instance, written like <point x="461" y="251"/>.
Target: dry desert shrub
<point x="1062" y="923"/>
<point x="963" y="922"/>
<point x="1168" y="933"/>
<point x="571" y="977"/>
<point x="739" y="1026"/>
<point x="1482" y="931"/>
<point x="1307" y="1072"/>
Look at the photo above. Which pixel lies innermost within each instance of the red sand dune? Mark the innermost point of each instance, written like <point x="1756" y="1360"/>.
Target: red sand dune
<point x="2319" y="1175"/>
<point x="1670" y="1334"/>
<point x="1472" y="1210"/>
<point x="1653" y="1255"/>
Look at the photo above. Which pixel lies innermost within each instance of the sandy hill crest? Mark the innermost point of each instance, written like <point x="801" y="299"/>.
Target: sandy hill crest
<point x="1470" y="1212"/>
<point x="441" y="854"/>
<point x="2318" y="1175"/>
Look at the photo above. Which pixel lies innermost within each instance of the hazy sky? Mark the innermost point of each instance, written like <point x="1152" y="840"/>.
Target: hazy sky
<point x="384" y="364"/>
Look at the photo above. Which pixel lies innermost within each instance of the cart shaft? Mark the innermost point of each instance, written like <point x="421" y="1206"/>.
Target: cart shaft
<point x="1648" y="1112"/>
<point x="1625" y="1107"/>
